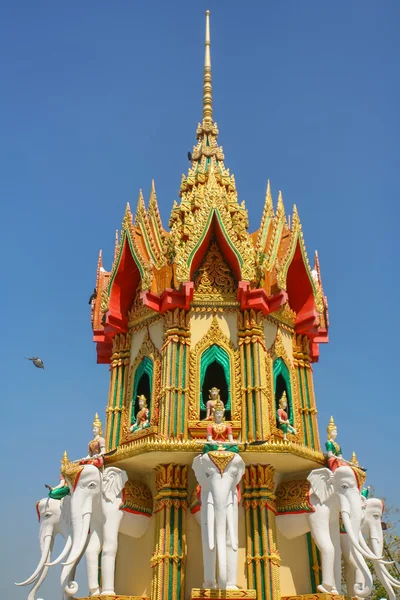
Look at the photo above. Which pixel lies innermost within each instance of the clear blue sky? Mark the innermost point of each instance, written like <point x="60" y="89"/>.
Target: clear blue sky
<point x="97" y="98"/>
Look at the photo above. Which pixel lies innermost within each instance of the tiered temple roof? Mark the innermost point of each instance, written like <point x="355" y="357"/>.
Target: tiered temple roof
<point x="156" y="267"/>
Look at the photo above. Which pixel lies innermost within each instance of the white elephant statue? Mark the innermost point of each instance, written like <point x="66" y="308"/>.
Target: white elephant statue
<point x="371" y="527"/>
<point x="330" y="494"/>
<point x="54" y="518"/>
<point x="99" y="510"/>
<point x="219" y="473"/>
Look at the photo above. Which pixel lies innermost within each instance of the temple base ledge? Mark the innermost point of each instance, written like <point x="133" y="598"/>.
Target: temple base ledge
<point x="318" y="596"/>
<point x="220" y="594"/>
<point x="115" y="597"/>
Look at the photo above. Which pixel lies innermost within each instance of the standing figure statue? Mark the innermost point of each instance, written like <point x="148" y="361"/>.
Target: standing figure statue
<point x="96" y="447"/>
<point x="334" y="451"/>
<point x="283" y="417"/>
<point x="213" y="397"/>
<point x="142" y="416"/>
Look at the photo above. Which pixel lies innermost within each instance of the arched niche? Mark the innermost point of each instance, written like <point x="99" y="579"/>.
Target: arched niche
<point x="142" y="384"/>
<point x="282" y="384"/>
<point x="215" y="372"/>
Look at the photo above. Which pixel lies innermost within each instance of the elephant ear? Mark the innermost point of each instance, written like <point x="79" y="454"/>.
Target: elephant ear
<point x="321" y="481"/>
<point x="114" y="480"/>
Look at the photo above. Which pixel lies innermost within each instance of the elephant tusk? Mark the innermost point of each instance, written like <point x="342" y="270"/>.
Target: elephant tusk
<point x="63" y="554"/>
<point x="45" y="554"/>
<point x="77" y="551"/>
<point x="390" y="577"/>
<point x="32" y="593"/>
<point x="353" y="539"/>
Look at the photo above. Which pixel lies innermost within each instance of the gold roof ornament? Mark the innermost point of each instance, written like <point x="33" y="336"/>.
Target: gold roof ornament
<point x="207" y="90"/>
<point x="97" y="423"/>
<point x="331" y="426"/>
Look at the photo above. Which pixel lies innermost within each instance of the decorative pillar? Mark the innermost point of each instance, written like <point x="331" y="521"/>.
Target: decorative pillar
<point x="308" y="409"/>
<point x="263" y="559"/>
<point x="168" y="560"/>
<point x="315" y="564"/>
<point x="175" y="370"/>
<point x="118" y="382"/>
<point x="254" y="383"/>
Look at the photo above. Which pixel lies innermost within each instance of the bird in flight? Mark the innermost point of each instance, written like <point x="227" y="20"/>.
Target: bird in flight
<point x="93" y="296"/>
<point x="36" y="361"/>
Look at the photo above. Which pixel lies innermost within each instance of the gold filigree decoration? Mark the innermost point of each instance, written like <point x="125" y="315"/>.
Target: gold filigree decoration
<point x="294" y="497"/>
<point x="115" y="598"/>
<point x="104" y="301"/>
<point x="145" y="445"/>
<point x="221" y="459"/>
<point x="137" y="498"/>
<point x="274" y="557"/>
<point x="198" y="593"/>
<point x="214" y="336"/>
<point x="285" y="315"/>
<point x="139" y="313"/>
<point x="72" y="472"/>
<point x="214" y="282"/>
<point x="147" y="350"/>
<point x="191" y="220"/>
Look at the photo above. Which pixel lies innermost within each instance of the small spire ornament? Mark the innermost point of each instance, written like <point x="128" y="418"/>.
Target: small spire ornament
<point x="97" y="423"/>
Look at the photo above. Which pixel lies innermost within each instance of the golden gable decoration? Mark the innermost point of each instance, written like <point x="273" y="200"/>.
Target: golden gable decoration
<point x="214" y="283"/>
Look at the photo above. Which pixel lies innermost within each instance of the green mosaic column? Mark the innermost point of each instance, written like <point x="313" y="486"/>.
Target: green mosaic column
<point x="254" y="384"/>
<point x="174" y="375"/>
<point x="118" y="367"/>
<point x="168" y="560"/>
<point x="262" y="559"/>
<point x="308" y="409"/>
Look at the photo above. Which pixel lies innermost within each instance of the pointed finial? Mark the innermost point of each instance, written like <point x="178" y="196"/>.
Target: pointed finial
<point x="268" y="199"/>
<point x="331" y="426"/>
<point x="280" y="208"/>
<point x="64" y="460"/>
<point x="207" y="89"/>
<point x="97" y="423"/>
<point x="354" y="459"/>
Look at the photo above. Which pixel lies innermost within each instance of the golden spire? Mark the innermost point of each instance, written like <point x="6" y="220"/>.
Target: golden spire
<point x="207" y="89"/>
<point x="354" y="459"/>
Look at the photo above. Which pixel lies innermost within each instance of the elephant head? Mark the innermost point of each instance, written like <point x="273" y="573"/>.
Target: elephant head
<point x="372" y="529"/>
<point x="218" y="473"/>
<point x="340" y="488"/>
<point x="92" y="494"/>
<point x="54" y="518"/>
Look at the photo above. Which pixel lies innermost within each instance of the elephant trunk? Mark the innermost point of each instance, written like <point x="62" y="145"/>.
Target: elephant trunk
<point x="363" y="588"/>
<point x="231" y="527"/>
<point x="221" y="546"/>
<point x="47" y="545"/>
<point x="211" y="525"/>
<point x="63" y="553"/>
<point x="80" y="531"/>
<point x="32" y="593"/>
